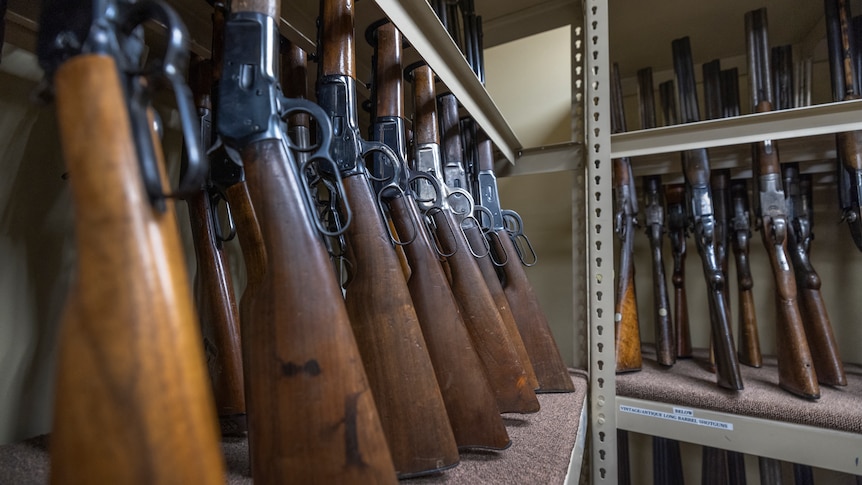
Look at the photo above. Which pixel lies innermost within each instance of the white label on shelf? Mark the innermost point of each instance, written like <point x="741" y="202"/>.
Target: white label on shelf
<point x="680" y="415"/>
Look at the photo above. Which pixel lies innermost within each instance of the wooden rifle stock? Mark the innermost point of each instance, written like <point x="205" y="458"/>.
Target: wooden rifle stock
<point x="213" y="285"/>
<point x="696" y="170"/>
<point x="304" y="379"/>
<point x="665" y="342"/>
<point x="132" y="403"/>
<point x="796" y="372"/>
<point x="468" y="396"/>
<point x="667" y="462"/>
<point x="749" y="341"/>
<point x="453" y="158"/>
<point x="675" y="197"/>
<point x="627" y="332"/>
<point x="490" y="338"/>
<point x="378" y="301"/>
<point x="818" y="328"/>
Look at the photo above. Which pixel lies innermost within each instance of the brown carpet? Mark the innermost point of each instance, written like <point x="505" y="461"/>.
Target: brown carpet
<point x="688" y="382"/>
<point x="540" y="452"/>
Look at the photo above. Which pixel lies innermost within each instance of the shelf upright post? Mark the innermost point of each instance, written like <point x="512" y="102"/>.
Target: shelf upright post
<point x="600" y="282"/>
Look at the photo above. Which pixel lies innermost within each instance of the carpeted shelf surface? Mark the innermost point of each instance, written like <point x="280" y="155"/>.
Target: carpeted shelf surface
<point x="688" y="382"/>
<point x="540" y="452"/>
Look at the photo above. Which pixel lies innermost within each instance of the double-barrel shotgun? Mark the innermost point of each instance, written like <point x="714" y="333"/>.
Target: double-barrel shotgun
<point x="796" y="373"/>
<point x="311" y="412"/>
<point x="627" y="331"/>
<point x="701" y="213"/>
<point x="470" y="400"/>
<point x="665" y="339"/>
<point x="749" y="340"/>
<point x="377" y="298"/>
<point x="132" y="402"/>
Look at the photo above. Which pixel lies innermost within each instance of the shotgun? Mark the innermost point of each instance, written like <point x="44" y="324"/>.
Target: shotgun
<point x="749" y="346"/>
<point x="796" y="373"/>
<point x="213" y="283"/>
<point x="377" y="298"/>
<point x="470" y="401"/>
<point x="624" y="473"/>
<point x="803" y="474"/>
<point x="665" y="342"/>
<point x="844" y="57"/>
<point x="815" y="318"/>
<point x="800" y="214"/>
<point x="714" y="468"/>
<point x="455" y="176"/>
<point x="735" y="468"/>
<point x="701" y="212"/>
<point x="677" y="233"/>
<point x="627" y="330"/>
<point x="667" y="462"/>
<point x="301" y="362"/>
<point x="451" y="220"/>
<point x="770" y="471"/>
<point x="132" y="403"/>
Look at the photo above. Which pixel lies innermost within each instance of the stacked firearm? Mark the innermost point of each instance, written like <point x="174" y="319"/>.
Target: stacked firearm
<point x="715" y="210"/>
<point x="387" y="320"/>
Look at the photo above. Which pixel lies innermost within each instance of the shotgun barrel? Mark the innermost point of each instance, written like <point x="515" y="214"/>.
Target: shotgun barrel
<point x="796" y="372"/>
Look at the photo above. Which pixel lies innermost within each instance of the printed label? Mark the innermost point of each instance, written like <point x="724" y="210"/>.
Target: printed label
<point x="679" y="414"/>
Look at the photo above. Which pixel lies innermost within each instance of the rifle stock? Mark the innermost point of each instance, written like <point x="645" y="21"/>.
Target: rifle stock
<point x="818" y="328"/>
<point x="796" y="372"/>
<point x="303" y="372"/>
<point x="696" y="170"/>
<point x="467" y="394"/>
<point x="627" y="332"/>
<point x="500" y="360"/>
<point x="132" y="403"/>
<point x="378" y="301"/>
<point x="675" y="197"/>
<point x="654" y="221"/>
<point x="749" y="347"/>
<point x="213" y="285"/>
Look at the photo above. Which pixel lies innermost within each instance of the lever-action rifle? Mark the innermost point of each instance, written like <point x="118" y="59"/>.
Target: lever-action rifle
<point x="213" y="283"/>
<point x="502" y="365"/>
<point x="302" y="366"/>
<point x="701" y="212"/>
<point x="846" y="80"/>
<point x="665" y="342"/>
<point x="469" y="398"/>
<point x="627" y="331"/>
<point x="132" y="404"/>
<point x="377" y="298"/>
<point x="796" y="372"/>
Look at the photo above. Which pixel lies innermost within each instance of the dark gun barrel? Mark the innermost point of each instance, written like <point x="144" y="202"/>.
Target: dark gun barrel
<point x="815" y="318"/>
<point x="696" y="171"/>
<point x="377" y="298"/>
<point x="218" y="310"/>
<point x="468" y="396"/>
<point x="714" y="470"/>
<point x="302" y="365"/>
<point x="132" y="403"/>
<point x="627" y="330"/>
<point x="487" y="328"/>
<point x="667" y="462"/>
<point x="796" y="372"/>
<point x="665" y="340"/>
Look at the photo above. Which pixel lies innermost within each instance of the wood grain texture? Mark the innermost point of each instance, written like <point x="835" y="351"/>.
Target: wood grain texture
<point x="492" y="281"/>
<point x="391" y="343"/>
<point x="312" y="416"/>
<point x="132" y="404"/>
<point x="502" y="366"/>
<point x="469" y="398"/>
<point x="388" y="76"/>
<point x="551" y="371"/>
<point x="337" y="38"/>
<point x="425" y="124"/>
